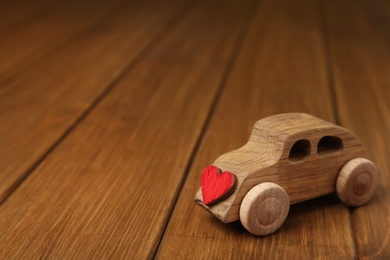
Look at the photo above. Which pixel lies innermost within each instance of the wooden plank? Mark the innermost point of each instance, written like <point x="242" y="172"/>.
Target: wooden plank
<point x="108" y="189"/>
<point x="13" y="12"/>
<point x="359" y="44"/>
<point x="42" y="103"/>
<point x="22" y="43"/>
<point x="282" y="68"/>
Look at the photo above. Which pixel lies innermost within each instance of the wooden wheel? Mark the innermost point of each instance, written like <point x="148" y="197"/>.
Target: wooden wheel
<point x="264" y="208"/>
<point x="357" y="182"/>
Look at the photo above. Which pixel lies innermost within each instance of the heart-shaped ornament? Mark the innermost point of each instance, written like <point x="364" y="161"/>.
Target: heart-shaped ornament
<point x="216" y="185"/>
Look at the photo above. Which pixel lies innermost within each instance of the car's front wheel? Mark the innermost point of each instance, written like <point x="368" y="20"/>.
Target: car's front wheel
<point x="264" y="208"/>
<point x="357" y="182"/>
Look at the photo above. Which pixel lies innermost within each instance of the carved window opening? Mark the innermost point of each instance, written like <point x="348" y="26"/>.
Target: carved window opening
<point x="299" y="150"/>
<point x="328" y="144"/>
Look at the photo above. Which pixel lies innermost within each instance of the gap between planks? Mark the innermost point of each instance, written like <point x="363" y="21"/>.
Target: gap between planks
<point x="331" y="83"/>
<point x="180" y="14"/>
<point x="328" y="59"/>
<point x="359" y="62"/>
<point x="253" y="8"/>
<point x="214" y="57"/>
<point x="176" y="236"/>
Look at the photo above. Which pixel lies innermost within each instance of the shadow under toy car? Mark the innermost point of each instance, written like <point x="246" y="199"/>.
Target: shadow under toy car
<point x="289" y="158"/>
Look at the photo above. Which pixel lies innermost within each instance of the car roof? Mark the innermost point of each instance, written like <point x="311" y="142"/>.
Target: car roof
<point x="266" y="143"/>
<point x="288" y="124"/>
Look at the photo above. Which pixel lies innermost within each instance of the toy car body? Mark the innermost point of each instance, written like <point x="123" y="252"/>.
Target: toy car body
<point x="299" y="157"/>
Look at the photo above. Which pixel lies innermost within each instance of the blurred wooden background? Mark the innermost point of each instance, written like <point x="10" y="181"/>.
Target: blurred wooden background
<point x="110" y="110"/>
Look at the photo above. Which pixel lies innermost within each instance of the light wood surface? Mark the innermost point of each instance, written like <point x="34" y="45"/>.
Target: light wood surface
<point x="357" y="182"/>
<point x="264" y="208"/>
<point x="109" y="117"/>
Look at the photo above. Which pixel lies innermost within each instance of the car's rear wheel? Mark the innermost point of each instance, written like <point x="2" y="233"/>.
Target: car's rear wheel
<point x="357" y="182"/>
<point x="264" y="208"/>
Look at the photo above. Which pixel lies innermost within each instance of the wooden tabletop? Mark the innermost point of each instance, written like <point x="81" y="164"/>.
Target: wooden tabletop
<point x="110" y="110"/>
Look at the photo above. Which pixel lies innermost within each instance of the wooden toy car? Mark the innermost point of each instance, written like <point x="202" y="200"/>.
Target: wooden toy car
<point x="289" y="158"/>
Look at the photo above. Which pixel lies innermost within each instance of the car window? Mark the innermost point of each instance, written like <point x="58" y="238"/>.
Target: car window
<point x="299" y="150"/>
<point x="328" y="144"/>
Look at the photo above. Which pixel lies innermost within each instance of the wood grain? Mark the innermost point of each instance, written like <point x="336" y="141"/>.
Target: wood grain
<point x="357" y="182"/>
<point x="24" y="42"/>
<point x="269" y="156"/>
<point x="108" y="189"/>
<point x="360" y="54"/>
<point x="216" y="185"/>
<point x="16" y="12"/>
<point x="264" y="208"/>
<point x="110" y="110"/>
<point x="281" y="68"/>
<point x="42" y="103"/>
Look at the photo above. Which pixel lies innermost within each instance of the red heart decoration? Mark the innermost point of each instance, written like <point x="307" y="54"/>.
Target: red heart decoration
<point x="216" y="185"/>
